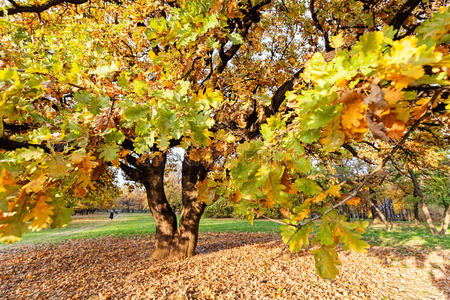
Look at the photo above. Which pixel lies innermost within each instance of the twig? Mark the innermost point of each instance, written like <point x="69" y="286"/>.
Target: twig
<point x="109" y="114"/>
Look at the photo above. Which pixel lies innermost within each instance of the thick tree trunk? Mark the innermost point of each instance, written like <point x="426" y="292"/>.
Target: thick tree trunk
<point x="445" y="221"/>
<point x="425" y="210"/>
<point x="170" y="241"/>
<point x="187" y="234"/>
<point x="152" y="176"/>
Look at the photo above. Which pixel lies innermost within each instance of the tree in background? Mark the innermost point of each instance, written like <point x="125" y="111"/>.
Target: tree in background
<point x="133" y="199"/>
<point x="437" y="191"/>
<point x="87" y="85"/>
<point x="102" y="194"/>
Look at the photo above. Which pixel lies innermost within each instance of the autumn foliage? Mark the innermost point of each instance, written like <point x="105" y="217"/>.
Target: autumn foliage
<point x="262" y="95"/>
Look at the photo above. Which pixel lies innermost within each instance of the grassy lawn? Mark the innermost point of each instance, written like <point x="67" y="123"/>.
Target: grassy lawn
<point x="98" y="225"/>
<point x="406" y="235"/>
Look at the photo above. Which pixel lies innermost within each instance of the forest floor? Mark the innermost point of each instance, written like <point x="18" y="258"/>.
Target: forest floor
<point x="229" y="265"/>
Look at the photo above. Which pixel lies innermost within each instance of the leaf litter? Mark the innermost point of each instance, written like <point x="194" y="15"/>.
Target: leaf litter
<point x="227" y="266"/>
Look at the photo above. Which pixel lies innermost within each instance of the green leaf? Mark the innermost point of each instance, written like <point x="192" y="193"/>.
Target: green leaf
<point x="326" y="259"/>
<point x="350" y="240"/>
<point x="112" y="135"/>
<point x="140" y="87"/>
<point x="325" y="235"/>
<point x="266" y="132"/>
<point x="235" y="38"/>
<point x="307" y="186"/>
<point x="302" y="165"/>
<point x="134" y="113"/>
<point x="296" y="238"/>
<point x="83" y="97"/>
<point x="123" y="81"/>
<point x="435" y="30"/>
<point x="309" y="136"/>
<point x="320" y="117"/>
<point x="109" y="152"/>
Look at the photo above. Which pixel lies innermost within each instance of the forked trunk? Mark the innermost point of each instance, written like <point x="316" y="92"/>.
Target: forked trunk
<point x="165" y="218"/>
<point x="445" y="221"/>
<point x="170" y="242"/>
<point x="425" y="210"/>
<point x="187" y="234"/>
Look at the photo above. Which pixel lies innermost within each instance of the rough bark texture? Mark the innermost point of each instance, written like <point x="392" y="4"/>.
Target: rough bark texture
<point x="187" y="233"/>
<point x="170" y="241"/>
<point x="445" y="221"/>
<point x="152" y="176"/>
<point x="425" y="210"/>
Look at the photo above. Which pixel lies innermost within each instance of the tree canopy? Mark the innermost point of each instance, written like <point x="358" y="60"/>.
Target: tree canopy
<point x="264" y="96"/>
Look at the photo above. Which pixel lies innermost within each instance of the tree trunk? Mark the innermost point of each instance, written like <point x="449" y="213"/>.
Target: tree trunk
<point x="170" y="241"/>
<point x="187" y="234"/>
<point x="445" y="221"/>
<point x="425" y="210"/>
<point x="374" y="208"/>
<point x="416" y="213"/>
<point x="152" y="176"/>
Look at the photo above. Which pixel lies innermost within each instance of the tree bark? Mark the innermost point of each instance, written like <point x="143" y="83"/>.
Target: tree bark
<point x="416" y="213"/>
<point x="152" y="177"/>
<point x="425" y="210"/>
<point x="376" y="211"/>
<point x="187" y="234"/>
<point x="445" y="221"/>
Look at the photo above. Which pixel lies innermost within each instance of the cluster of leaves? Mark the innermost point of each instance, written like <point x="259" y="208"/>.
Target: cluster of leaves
<point x="361" y="90"/>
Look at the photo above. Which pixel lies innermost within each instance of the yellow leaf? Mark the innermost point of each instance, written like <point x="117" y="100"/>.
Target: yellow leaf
<point x="316" y="199"/>
<point x="302" y="215"/>
<point x="334" y="190"/>
<point x="333" y="137"/>
<point x="35" y="185"/>
<point x="41" y="214"/>
<point x="392" y="95"/>
<point x="337" y="41"/>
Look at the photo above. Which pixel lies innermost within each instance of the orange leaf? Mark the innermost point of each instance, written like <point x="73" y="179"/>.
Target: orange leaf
<point x="353" y="201"/>
<point x="6" y="179"/>
<point x="394" y="127"/>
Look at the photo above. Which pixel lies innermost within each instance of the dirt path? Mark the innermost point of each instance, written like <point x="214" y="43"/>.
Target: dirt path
<point x="228" y="266"/>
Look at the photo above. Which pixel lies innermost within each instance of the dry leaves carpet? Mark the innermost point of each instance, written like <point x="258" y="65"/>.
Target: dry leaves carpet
<point x="228" y="266"/>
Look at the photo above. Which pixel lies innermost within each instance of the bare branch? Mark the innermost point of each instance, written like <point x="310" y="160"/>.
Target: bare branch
<point x="17" y="9"/>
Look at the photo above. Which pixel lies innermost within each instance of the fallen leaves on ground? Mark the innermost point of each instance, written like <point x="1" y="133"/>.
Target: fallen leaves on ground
<point x="228" y="266"/>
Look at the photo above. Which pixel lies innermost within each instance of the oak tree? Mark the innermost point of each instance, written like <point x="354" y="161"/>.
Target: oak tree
<point x="261" y="94"/>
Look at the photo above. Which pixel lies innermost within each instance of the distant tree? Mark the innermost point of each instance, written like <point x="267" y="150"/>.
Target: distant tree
<point x="133" y="198"/>
<point x="437" y="191"/>
<point x="102" y="194"/>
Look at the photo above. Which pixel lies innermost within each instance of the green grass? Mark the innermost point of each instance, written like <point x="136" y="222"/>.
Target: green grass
<point x="406" y="235"/>
<point x="98" y="225"/>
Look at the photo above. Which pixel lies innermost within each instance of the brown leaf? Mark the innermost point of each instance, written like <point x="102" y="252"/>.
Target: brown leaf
<point x="375" y="100"/>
